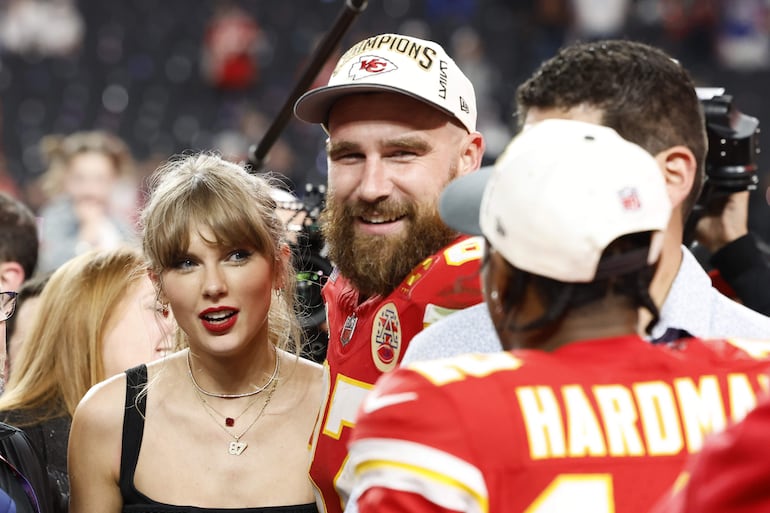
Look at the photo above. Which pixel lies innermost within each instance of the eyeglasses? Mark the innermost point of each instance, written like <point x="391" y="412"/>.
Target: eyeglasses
<point x="7" y="305"/>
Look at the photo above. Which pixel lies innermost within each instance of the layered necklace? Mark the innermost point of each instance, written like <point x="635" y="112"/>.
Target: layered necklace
<point x="232" y="396"/>
<point x="236" y="447"/>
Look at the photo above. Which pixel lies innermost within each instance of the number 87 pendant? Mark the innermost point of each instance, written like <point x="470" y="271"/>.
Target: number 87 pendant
<point x="236" y="448"/>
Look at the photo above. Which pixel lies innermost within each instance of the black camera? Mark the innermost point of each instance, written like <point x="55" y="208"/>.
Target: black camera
<point x="731" y="161"/>
<point x="733" y="145"/>
<point x="313" y="268"/>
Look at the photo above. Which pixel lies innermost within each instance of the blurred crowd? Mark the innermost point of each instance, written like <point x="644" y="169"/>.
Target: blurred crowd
<point x="216" y="77"/>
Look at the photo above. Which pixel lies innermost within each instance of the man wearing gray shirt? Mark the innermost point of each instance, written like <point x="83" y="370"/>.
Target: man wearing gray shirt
<point x="649" y="99"/>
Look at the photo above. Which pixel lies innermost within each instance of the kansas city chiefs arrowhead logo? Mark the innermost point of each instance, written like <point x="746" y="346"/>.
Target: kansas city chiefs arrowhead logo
<point x="370" y="65"/>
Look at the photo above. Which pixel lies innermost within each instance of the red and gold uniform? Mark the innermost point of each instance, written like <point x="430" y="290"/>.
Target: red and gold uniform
<point x="732" y="472"/>
<point x="594" y="426"/>
<point x="369" y="339"/>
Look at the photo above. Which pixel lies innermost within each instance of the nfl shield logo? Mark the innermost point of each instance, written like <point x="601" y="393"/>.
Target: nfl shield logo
<point x="629" y="198"/>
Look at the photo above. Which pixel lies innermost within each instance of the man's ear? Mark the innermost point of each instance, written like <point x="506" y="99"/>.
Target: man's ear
<point x="470" y="158"/>
<point x="679" y="168"/>
<point x="11" y="276"/>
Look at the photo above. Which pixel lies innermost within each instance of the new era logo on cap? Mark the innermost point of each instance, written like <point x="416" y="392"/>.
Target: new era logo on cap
<point x="464" y="106"/>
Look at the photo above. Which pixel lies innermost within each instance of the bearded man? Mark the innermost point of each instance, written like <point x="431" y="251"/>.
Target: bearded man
<point x="401" y="120"/>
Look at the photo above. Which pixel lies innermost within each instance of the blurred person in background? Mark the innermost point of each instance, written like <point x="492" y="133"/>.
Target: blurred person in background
<point x="41" y="27"/>
<point x="231" y="48"/>
<point x="19" y="243"/>
<point x="19" y="246"/>
<point x="594" y="20"/>
<point x="691" y="28"/>
<point x="101" y="317"/>
<point x="92" y="195"/>
<point x="224" y="424"/>
<point x="401" y="119"/>
<point x="742" y="38"/>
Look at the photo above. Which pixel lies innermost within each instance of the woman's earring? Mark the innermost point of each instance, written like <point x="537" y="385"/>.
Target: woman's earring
<point x="278" y="292"/>
<point x="164" y="310"/>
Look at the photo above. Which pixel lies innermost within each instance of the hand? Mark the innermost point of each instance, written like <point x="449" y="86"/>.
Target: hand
<point x="717" y="229"/>
<point x="92" y="216"/>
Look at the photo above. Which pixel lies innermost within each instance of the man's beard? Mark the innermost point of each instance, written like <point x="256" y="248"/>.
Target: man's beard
<point x="377" y="264"/>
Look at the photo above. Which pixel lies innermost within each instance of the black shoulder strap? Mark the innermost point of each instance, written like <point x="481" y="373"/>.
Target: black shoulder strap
<point x="23" y="474"/>
<point x="133" y="426"/>
<point x="24" y="483"/>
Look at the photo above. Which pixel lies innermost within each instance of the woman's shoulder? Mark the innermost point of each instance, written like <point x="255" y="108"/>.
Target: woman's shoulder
<point x="301" y="368"/>
<point x="104" y="399"/>
<point x="310" y="366"/>
<point x="301" y="382"/>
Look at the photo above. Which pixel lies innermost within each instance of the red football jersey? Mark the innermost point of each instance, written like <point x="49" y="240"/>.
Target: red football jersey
<point x="369" y="339"/>
<point x="595" y="426"/>
<point x="732" y="472"/>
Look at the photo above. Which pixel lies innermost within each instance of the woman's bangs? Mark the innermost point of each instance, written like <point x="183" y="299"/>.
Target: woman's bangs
<point x="231" y="226"/>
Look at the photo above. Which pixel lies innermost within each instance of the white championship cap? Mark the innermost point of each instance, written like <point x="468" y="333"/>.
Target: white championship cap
<point x="558" y="195"/>
<point x="400" y="64"/>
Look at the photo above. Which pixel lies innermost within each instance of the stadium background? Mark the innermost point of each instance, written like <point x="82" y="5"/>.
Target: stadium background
<point x="146" y="69"/>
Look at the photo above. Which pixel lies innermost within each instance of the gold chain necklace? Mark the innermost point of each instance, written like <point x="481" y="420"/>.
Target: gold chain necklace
<point x="236" y="447"/>
<point x="232" y="396"/>
<point x="229" y="421"/>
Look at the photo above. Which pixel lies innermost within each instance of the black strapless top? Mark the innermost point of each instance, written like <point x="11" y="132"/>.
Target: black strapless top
<point x="135" y="501"/>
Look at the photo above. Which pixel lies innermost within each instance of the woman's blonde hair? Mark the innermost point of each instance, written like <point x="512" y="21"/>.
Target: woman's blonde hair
<point x="205" y="190"/>
<point x="59" y="150"/>
<point x="62" y="355"/>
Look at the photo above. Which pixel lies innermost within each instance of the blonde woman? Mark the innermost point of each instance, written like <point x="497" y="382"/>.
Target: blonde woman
<point x="224" y="424"/>
<point x="98" y="315"/>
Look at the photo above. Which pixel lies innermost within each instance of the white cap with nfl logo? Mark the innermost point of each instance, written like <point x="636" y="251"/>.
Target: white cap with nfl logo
<point x="558" y="195"/>
<point x="400" y="64"/>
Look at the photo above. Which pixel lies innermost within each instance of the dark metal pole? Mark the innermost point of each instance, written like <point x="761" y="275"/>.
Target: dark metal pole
<point x="324" y="49"/>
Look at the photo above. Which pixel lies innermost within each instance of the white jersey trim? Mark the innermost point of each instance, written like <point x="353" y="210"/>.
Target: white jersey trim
<point x="439" y="477"/>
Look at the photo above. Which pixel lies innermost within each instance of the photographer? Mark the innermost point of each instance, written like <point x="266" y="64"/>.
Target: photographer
<point x="719" y="223"/>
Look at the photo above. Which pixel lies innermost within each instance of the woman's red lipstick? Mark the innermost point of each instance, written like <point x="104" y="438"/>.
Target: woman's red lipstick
<point x="219" y="319"/>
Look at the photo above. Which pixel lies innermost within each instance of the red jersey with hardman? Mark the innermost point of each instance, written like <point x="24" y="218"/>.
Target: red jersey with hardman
<point x="594" y="426"/>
